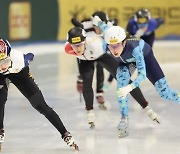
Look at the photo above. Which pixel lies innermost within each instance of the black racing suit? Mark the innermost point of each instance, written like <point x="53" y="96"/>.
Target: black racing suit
<point x="27" y="86"/>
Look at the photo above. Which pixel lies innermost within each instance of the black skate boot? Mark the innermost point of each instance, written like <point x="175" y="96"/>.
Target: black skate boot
<point x="70" y="140"/>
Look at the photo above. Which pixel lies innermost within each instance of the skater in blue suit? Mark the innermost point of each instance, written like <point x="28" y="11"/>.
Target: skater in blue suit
<point x="134" y="52"/>
<point x="142" y="25"/>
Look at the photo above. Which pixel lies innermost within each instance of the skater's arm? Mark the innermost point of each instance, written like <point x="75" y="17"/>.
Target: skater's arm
<point x="140" y="64"/>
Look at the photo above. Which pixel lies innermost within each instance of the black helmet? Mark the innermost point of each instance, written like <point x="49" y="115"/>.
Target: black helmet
<point x="142" y="16"/>
<point x="103" y="16"/>
<point x="76" y="35"/>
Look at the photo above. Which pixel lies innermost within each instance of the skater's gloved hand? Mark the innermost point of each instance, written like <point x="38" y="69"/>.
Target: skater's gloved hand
<point x="79" y="85"/>
<point x="122" y="92"/>
<point x="96" y="20"/>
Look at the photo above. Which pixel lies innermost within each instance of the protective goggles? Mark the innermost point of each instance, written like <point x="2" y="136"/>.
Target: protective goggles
<point x="142" y="25"/>
<point x="114" y="46"/>
<point x="5" y="61"/>
<point x="142" y="20"/>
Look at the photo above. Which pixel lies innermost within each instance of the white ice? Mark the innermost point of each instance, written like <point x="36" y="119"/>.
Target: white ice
<point x="28" y="132"/>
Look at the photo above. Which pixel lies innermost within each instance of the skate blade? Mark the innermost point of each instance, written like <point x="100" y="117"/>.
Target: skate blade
<point x="123" y="134"/>
<point x="92" y="125"/>
<point x="156" y="120"/>
<point x="75" y="146"/>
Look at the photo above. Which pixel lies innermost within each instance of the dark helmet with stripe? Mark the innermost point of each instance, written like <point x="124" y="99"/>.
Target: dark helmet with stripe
<point x="76" y="35"/>
<point x="103" y="16"/>
<point x="142" y="16"/>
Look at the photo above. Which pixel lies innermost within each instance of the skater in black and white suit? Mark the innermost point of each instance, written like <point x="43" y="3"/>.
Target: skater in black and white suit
<point x="93" y="30"/>
<point x="15" y="66"/>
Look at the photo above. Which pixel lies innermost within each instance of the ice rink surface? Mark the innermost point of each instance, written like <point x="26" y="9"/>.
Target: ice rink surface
<point x="28" y="132"/>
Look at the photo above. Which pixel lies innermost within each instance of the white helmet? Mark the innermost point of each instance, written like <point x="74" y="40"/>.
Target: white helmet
<point x="114" y="34"/>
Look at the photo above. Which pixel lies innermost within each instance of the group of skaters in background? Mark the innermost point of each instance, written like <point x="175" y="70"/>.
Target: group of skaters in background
<point x="86" y="42"/>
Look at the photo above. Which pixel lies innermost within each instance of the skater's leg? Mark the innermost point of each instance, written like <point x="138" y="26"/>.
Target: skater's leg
<point x="165" y="92"/>
<point x="157" y="78"/>
<point x="4" y="83"/>
<point x="108" y="82"/>
<point x="138" y="96"/>
<point x="110" y="78"/>
<point x="123" y="77"/>
<point x="38" y="102"/>
<point x="25" y="83"/>
<point x="87" y="72"/>
<point x="99" y="87"/>
<point x="100" y="78"/>
<point x="3" y="99"/>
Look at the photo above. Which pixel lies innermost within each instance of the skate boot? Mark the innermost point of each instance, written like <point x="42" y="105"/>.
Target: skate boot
<point x="70" y="140"/>
<point x="122" y="127"/>
<point x="100" y="100"/>
<point x="2" y="136"/>
<point x="151" y="114"/>
<point x="91" y="117"/>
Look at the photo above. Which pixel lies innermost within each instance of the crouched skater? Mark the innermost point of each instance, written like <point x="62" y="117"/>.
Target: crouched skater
<point x="14" y="66"/>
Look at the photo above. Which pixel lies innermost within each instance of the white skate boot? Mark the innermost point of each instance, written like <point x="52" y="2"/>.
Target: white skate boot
<point x="122" y="127"/>
<point x="151" y="114"/>
<point x="91" y="118"/>
<point x="70" y="140"/>
<point x="2" y="136"/>
<point x="100" y="100"/>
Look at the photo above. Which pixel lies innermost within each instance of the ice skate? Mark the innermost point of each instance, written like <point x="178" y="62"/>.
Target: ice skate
<point x="101" y="102"/>
<point x="2" y="136"/>
<point x="70" y="140"/>
<point x="91" y="117"/>
<point x="151" y="114"/>
<point x="122" y="127"/>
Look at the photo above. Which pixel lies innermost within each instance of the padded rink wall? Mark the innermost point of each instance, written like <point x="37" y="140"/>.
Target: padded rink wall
<point x="123" y="10"/>
<point x="29" y="20"/>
